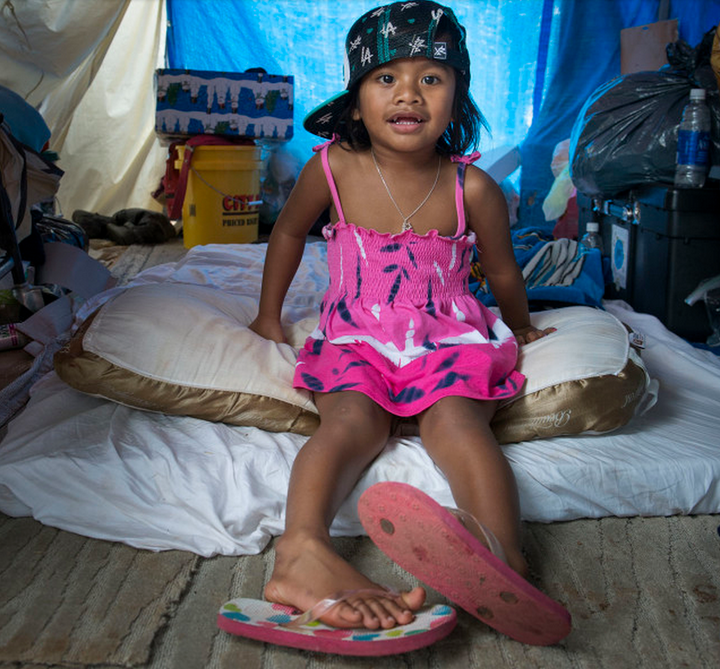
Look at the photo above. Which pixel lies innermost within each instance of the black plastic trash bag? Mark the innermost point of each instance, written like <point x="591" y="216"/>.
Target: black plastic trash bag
<point x="626" y="133"/>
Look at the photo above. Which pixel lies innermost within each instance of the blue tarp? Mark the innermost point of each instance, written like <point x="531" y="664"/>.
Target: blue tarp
<point x="306" y="40"/>
<point x="534" y="62"/>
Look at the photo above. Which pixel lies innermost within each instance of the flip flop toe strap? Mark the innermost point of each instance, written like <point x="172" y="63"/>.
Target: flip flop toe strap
<point x="491" y="541"/>
<point x="317" y="611"/>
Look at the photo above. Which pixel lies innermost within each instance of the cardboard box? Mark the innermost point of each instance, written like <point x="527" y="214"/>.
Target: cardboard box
<point x="235" y="104"/>
<point x="643" y="48"/>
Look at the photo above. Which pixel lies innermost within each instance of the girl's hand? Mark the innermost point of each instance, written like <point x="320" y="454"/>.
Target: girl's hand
<point x="530" y="334"/>
<point x="269" y="328"/>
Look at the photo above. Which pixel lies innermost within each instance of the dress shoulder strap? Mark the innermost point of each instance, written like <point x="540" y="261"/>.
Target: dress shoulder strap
<point x="323" y="149"/>
<point x="463" y="162"/>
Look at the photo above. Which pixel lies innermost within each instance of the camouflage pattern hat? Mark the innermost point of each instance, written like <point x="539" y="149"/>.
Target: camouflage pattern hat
<point x="399" y="30"/>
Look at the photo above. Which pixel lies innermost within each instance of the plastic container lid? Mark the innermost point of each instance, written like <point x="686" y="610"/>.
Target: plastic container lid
<point x="697" y="93"/>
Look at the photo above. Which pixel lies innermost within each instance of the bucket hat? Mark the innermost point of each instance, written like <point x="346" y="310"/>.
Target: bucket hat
<point x="398" y="30"/>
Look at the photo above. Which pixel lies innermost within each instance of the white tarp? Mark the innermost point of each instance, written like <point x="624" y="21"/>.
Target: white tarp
<point x="88" y="67"/>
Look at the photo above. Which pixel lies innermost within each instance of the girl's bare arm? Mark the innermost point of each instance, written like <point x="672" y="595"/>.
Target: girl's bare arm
<point x="488" y="217"/>
<point x="308" y="199"/>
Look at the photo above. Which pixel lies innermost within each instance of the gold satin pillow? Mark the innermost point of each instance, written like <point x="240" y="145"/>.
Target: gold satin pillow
<point x="186" y="350"/>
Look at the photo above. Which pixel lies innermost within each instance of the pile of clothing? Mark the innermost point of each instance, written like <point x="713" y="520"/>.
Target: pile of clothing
<point x="556" y="271"/>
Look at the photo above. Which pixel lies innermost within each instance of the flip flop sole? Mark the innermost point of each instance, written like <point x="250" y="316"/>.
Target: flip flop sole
<point x="429" y="542"/>
<point x="264" y="621"/>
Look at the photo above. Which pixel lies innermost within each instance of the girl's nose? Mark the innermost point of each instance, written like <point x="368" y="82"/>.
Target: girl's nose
<point x="407" y="92"/>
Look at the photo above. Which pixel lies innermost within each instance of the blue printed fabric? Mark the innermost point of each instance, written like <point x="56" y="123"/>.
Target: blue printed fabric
<point x="553" y="270"/>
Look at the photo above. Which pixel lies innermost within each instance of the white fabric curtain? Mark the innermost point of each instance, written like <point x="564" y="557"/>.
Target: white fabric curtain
<point x="88" y="67"/>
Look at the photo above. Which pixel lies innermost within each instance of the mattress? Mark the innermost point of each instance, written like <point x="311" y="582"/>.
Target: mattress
<point x="102" y="469"/>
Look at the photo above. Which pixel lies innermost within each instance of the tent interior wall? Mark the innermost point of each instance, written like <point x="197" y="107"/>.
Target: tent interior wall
<point x="88" y="67"/>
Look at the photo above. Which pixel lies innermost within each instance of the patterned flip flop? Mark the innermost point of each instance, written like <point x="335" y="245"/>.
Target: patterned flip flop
<point x="430" y="542"/>
<point x="286" y="626"/>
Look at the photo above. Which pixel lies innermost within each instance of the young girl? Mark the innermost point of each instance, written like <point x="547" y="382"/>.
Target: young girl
<point x="399" y="334"/>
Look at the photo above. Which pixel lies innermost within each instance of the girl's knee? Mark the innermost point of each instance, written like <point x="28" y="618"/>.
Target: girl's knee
<point x="353" y="413"/>
<point x="453" y="409"/>
<point x="452" y="415"/>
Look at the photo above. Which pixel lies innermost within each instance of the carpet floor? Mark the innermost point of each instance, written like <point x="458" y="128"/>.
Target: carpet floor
<point x="643" y="592"/>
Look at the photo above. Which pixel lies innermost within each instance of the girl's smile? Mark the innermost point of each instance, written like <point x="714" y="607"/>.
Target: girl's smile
<point x="406" y="122"/>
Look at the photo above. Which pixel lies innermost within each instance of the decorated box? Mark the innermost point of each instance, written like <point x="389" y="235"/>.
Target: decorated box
<point x="237" y="104"/>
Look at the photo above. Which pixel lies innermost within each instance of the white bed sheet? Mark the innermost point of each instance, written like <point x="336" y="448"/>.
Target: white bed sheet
<point x="157" y="482"/>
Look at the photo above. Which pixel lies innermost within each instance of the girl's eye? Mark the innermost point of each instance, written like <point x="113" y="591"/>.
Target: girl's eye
<point x="430" y="79"/>
<point x="386" y="78"/>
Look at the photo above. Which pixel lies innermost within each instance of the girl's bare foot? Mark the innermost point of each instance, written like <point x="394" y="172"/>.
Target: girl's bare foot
<point x="307" y="570"/>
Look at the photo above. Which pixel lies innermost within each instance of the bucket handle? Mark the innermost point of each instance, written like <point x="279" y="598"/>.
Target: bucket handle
<point x="253" y="203"/>
<point x="179" y="196"/>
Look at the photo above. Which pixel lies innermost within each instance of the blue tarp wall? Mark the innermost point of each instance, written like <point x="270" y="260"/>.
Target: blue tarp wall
<point x="534" y="62"/>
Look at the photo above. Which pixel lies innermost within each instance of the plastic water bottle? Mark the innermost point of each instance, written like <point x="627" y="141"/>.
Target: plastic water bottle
<point x="591" y="239"/>
<point x="693" y="149"/>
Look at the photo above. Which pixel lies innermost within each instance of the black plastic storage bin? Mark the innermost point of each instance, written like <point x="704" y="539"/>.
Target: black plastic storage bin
<point x="662" y="242"/>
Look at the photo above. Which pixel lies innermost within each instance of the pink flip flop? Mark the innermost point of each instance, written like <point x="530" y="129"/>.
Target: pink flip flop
<point x="286" y="626"/>
<point x="429" y="541"/>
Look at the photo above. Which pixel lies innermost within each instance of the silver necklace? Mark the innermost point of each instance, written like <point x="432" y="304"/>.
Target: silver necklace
<point x="406" y="225"/>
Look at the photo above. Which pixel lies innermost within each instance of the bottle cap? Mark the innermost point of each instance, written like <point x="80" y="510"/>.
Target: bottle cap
<point x="592" y="227"/>
<point x="697" y="93"/>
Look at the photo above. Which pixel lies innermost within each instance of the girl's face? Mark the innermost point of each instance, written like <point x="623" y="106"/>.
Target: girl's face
<point x="406" y="104"/>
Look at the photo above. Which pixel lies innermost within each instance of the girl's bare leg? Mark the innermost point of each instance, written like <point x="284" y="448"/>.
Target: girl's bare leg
<point x="456" y="434"/>
<point x="352" y="432"/>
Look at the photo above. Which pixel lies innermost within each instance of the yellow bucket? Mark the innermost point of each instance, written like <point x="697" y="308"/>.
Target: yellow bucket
<point x="221" y="203"/>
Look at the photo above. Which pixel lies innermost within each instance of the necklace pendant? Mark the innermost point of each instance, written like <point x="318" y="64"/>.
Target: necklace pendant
<point x="406" y="219"/>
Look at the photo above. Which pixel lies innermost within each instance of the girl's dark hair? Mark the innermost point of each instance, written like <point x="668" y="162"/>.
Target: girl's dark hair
<point x="462" y="135"/>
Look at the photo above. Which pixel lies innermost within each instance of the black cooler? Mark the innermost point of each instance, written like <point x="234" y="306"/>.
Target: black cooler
<point x="661" y="242"/>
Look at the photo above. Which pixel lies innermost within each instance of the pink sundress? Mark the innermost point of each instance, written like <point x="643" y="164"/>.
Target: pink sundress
<point x="398" y="322"/>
